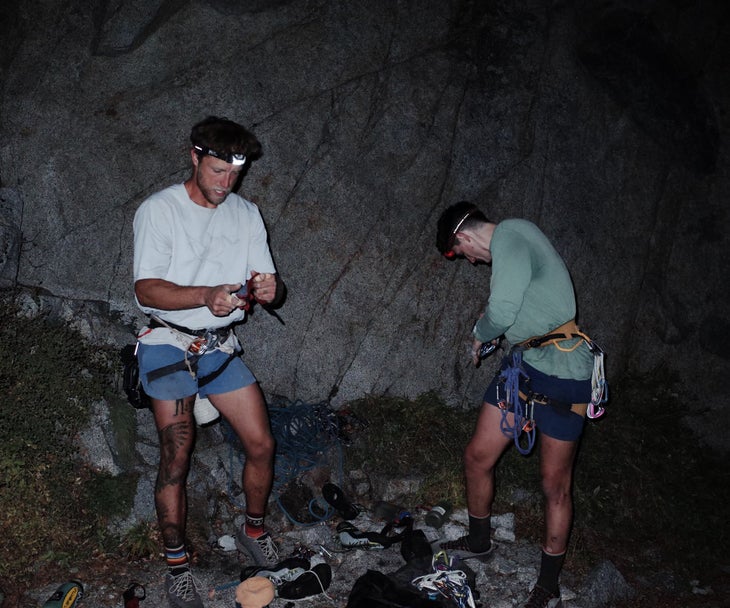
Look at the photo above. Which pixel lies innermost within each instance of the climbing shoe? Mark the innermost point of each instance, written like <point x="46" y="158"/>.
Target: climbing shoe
<point x="342" y="504"/>
<point x="284" y="571"/>
<point x="352" y="538"/>
<point x="460" y="549"/>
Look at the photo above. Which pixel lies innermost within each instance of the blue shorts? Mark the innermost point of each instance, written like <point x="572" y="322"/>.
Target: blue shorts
<point x="179" y="384"/>
<point x="555" y="422"/>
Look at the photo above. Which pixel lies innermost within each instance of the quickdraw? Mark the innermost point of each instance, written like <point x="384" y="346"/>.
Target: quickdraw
<point x="599" y="386"/>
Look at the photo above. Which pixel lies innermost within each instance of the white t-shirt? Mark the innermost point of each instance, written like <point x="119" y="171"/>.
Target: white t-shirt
<point x="179" y="241"/>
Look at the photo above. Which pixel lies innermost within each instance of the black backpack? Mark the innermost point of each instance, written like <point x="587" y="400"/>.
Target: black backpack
<point x="377" y="590"/>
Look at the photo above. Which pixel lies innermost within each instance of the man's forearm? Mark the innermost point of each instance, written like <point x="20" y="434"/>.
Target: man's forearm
<point x="164" y="295"/>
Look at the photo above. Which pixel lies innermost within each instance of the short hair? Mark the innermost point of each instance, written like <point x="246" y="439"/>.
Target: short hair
<point x="225" y="137"/>
<point x="457" y="217"/>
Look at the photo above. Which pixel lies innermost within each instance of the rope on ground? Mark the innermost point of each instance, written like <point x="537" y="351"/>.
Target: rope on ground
<point x="306" y="435"/>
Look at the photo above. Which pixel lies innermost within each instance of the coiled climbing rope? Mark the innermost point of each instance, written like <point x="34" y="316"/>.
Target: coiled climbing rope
<point x="307" y="436"/>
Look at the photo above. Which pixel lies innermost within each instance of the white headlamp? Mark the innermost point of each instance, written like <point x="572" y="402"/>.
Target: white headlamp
<point x="235" y="159"/>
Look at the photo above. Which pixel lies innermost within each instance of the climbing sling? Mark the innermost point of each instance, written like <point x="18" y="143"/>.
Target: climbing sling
<point x="516" y="385"/>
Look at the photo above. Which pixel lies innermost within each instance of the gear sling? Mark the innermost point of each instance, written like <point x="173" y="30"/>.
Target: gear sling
<point x="517" y="384"/>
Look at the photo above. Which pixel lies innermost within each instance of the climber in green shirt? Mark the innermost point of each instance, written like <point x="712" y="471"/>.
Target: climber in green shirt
<point x="532" y="306"/>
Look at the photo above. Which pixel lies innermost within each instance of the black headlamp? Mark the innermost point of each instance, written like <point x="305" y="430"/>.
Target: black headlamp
<point x="234" y="159"/>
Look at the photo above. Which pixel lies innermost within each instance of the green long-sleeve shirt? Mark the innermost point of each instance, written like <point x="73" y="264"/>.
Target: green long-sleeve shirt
<point x="531" y="293"/>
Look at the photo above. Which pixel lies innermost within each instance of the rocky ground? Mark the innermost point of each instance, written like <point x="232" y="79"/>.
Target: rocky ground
<point x="502" y="580"/>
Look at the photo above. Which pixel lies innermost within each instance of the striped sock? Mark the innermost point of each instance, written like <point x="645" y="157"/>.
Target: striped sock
<point x="177" y="559"/>
<point x="254" y="526"/>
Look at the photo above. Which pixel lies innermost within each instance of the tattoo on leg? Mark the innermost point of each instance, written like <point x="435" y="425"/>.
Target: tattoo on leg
<point x="181" y="407"/>
<point x="171" y="534"/>
<point x="173" y="438"/>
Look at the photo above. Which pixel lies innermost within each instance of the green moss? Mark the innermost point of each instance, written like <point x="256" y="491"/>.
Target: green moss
<point x="49" y="378"/>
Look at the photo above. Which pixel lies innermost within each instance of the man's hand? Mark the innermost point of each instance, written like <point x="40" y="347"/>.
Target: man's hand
<point x="220" y="299"/>
<point x="264" y="287"/>
<point x="476" y="345"/>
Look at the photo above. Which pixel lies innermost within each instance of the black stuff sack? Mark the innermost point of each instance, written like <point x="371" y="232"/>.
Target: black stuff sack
<point x="377" y="590"/>
<point x="131" y="383"/>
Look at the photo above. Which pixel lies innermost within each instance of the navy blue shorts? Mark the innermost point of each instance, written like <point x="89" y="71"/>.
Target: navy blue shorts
<point x="180" y="384"/>
<point x="555" y="422"/>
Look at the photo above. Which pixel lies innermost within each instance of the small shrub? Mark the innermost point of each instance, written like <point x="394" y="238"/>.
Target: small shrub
<point x="141" y="541"/>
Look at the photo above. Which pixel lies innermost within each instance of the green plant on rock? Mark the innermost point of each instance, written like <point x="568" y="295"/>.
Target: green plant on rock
<point x="49" y="378"/>
<point x="141" y="541"/>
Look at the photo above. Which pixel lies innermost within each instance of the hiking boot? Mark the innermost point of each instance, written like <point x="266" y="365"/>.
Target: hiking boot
<point x="282" y="572"/>
<point x="308" y="583"/>
<point x="459" y="548"/>
<point x="542" y="598"/>
<point x="261" y="550"/>
<point x="183" y="590"/>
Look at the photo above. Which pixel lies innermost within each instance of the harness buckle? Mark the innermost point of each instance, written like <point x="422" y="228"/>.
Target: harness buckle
<point x="202" y="344"/>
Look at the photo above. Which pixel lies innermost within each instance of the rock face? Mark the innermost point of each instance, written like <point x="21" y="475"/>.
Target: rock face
<point x="603" y="122"/>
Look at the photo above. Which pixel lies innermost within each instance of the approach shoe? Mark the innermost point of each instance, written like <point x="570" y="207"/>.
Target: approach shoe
<point x="282" y="572"/>
<point x="261" y="550"/>
<point x="183" y="590"/>
<point x="542" y="598"/>
<point x="308" y="583"/>
<point x="459" y="548"/>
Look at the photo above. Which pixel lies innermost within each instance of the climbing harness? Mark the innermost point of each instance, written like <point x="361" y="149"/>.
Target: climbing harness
<point x="513" y="373"/>
<point x="198" y="342"/>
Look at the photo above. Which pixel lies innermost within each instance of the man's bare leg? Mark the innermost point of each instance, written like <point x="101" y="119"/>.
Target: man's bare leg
<point x="246" y="412"/>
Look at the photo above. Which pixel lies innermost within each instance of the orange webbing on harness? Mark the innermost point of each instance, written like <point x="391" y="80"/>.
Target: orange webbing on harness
<point x="567" y="331"/>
